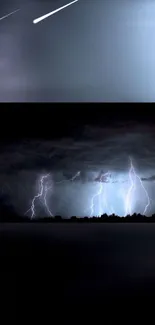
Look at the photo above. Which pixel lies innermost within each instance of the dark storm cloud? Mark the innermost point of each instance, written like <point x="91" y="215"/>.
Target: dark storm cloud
<point x="148" y="179"/>
<point x="97" y="148"/>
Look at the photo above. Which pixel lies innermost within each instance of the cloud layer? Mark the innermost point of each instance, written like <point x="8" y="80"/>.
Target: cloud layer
<point x="96" y="150"/>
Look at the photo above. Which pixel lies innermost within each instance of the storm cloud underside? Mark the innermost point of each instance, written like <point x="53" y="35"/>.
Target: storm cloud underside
<point x="96" y="152"/>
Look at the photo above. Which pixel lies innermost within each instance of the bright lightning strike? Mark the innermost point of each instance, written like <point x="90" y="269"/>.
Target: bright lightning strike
<point x="98" y="195"/>
<point x="93" y="199"/>
<point x="39" y="195"/>
<point x="45" y="200"/>
<point x="43" y="193"/>
<point x="108" y="198"/>
<point x="128" y="200"/>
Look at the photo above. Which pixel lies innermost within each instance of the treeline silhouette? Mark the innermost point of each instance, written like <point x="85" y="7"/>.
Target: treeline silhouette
<point x="8" y="214"/>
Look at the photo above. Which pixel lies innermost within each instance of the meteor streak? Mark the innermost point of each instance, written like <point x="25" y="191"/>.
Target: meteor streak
<point x="11" y="13"/>
<point x="35" y="21"/>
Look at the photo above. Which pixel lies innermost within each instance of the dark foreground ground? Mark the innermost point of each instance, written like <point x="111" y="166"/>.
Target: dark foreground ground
<point x="110" y="267"/>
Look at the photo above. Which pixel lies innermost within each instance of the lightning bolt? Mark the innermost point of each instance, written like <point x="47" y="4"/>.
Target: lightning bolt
<point x="146" y="194"/>
<point x="128" y="208"/>
<point x="41" y="194"/>
<point x="45" y="200"/>
<point x="75" y="176"/>
<point x="93" y="199"/>
<point x="100" y="198"/>
<point x="71" y="179"/>
<point x="106" y="207"/>
<point x="98" y="194"/>
<point x="128" y="199"/>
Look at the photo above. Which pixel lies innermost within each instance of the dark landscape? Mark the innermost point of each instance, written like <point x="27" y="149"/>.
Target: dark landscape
<point x="85" y="266"/>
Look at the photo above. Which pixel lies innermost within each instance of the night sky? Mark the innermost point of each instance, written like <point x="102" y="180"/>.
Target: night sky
<point x="81" y="163"/>
<point x="93" y="50"/>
